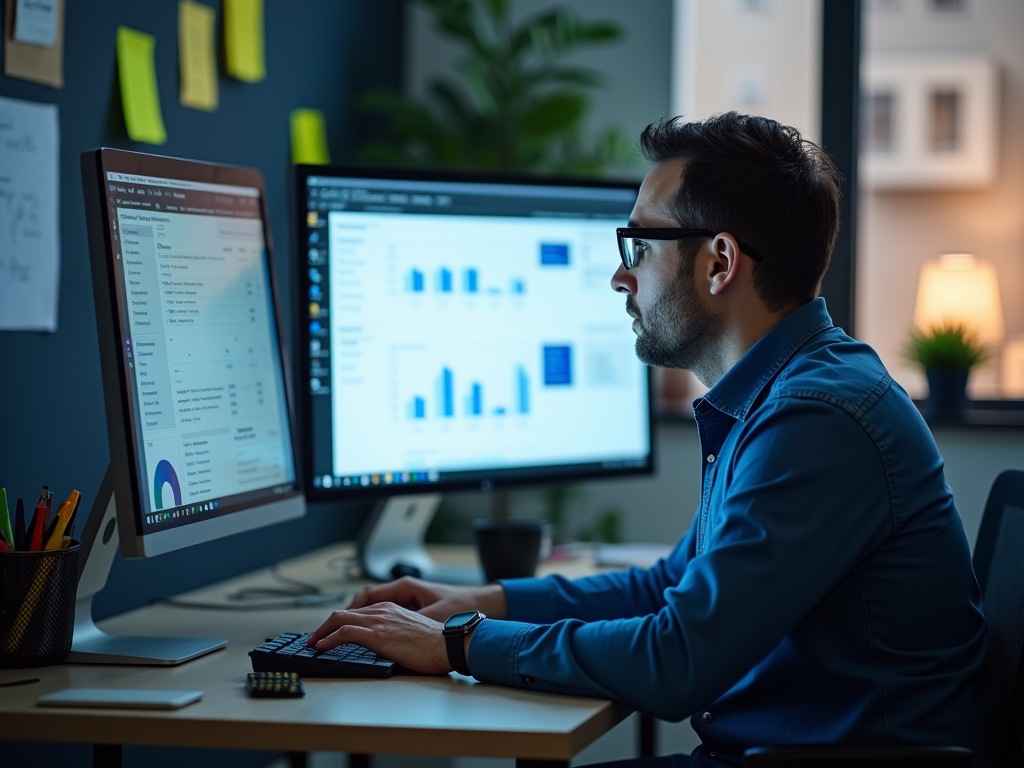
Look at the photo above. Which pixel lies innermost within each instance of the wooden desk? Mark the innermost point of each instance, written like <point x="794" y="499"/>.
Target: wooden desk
<point x="405" y="714"/>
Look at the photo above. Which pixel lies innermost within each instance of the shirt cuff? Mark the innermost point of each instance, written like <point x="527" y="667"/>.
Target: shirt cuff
<point x="529" y="600"/>
<point x="494" y="651"/>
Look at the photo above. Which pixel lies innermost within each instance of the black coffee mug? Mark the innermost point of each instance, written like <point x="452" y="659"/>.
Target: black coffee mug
<point x="511" y="549"/>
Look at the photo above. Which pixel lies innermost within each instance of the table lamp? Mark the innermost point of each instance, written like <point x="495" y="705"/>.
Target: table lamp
<point x="955" y="291"/>
<point x="959" y="289"/>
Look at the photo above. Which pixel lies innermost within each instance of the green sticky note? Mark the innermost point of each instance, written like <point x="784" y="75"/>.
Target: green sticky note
<point x="197" y="59"/>
<point x="139" y="93"/>
<point x="243" y="40"/>
<point x="309" y="138"/>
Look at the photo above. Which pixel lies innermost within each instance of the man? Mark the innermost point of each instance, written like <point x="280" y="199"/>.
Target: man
<point x="824" y="592"/>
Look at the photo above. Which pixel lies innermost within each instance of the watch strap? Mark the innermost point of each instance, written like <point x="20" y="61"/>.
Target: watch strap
<point x="456" y="647"/>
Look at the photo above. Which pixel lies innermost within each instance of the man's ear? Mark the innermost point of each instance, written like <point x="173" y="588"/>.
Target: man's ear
<point x="725" y="263"/>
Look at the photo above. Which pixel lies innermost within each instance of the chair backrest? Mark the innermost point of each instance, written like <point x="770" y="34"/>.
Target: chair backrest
<point x="999" y="565"/>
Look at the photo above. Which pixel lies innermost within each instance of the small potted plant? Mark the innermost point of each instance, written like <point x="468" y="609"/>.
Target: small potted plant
<point x="946" y="353"/>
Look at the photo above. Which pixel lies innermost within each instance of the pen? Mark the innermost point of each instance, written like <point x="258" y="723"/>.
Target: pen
<point x="34" y="535"/>
<point x="74" y="500"/>
<point x="5" y="519"/>
<point x="4" y="547"/>
<point x="49" y="509"/>
<point x="55" y="536"/>
<point x="19" y="525"/>
<point x="40" y="512"/>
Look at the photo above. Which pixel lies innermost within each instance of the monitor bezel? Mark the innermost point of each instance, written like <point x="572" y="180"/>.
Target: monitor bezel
<point x="272" y="507"/>
<point x="499" y="479"/>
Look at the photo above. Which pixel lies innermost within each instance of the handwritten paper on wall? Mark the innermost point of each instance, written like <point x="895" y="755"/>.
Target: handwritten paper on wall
<point x="29" y="216"/>
<point x="309" y="137"/>
<point x="195" y="52"/>
<point x="243" y="40"/>
<point x="139" y="94"/>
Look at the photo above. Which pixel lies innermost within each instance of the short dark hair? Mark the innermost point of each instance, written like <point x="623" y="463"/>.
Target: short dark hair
<point x="765" y="184"/>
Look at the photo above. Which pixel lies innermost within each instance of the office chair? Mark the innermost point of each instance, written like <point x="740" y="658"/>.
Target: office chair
<point x="999" y="565"/>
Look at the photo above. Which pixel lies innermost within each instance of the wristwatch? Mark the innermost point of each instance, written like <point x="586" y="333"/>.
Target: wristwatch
<point x="455" y="630"/>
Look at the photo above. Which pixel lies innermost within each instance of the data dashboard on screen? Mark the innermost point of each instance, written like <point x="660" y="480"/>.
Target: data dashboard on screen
<point x="463" y="332"/>
<point x="200" y="347"/>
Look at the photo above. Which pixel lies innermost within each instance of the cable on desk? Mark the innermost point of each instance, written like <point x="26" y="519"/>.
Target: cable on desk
<point x="296" y="594"/>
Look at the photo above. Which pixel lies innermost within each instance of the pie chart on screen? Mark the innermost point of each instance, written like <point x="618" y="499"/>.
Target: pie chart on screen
<point x="165" y="474"/>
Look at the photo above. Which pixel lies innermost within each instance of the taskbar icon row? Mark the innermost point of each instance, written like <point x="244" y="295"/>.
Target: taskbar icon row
<point x="180" y="512"/>
<point x="365" y="481"/>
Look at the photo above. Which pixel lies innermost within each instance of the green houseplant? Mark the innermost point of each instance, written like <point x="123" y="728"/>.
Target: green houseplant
<point x="946" y="353"/>
<point x="515" y="105"/>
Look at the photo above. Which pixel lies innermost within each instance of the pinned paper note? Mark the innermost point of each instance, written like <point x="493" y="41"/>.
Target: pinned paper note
<point x="29" y="216"/>
<point x="243" y="40"/>
<point x="195" y="50"/>
<point x="139" y="93"/>
<point x="309" y="138"/>
<point x="35" y="21"/>
<point x="34" y="41"/>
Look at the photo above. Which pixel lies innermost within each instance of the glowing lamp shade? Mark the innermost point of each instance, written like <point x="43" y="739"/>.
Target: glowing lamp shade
<point x="958" y="288"/>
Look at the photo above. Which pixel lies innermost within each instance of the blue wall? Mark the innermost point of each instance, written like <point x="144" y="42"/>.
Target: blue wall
<point x="320" y="53"/>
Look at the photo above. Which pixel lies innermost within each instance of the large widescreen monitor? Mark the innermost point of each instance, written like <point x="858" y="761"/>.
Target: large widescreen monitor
<point x="200" y="429"/>
<point x="459" y="331"/>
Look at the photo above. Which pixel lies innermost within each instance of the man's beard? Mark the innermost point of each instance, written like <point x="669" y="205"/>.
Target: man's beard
<point x="677" y="331"/>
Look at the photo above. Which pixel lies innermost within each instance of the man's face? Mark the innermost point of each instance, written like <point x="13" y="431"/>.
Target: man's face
<point x="674" y="329"/>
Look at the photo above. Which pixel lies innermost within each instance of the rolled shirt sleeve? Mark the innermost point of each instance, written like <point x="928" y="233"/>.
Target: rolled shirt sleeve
<point x="803" y="497"/>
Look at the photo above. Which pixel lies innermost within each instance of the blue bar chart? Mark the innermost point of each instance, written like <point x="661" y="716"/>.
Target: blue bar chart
<point x="474" y="399"/>
<point x="471" y="282"/>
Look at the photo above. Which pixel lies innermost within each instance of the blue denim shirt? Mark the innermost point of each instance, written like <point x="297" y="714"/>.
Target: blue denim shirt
<point x="824" y="592"/>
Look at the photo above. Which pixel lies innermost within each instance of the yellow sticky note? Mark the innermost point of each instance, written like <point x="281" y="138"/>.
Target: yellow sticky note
<point x="139" y="93"/>
<point x="197" y="59"/>
<point x="309" y="137"/>
<point x="243" y="39"/>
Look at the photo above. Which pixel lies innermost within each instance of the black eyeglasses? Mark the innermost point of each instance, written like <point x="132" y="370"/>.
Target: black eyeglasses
<point x="632" y="241"/>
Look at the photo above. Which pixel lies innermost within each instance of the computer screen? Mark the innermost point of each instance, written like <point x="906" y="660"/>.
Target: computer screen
<point x="460" y="331"/>
<point x="198" y="415"/>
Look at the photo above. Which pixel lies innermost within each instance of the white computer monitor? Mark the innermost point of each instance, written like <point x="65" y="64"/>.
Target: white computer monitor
<point x="194" y="378"/>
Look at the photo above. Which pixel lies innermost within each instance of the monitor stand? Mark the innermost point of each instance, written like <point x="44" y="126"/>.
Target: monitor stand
<point x="92" y="645"/>
<point x="392" y="543"/>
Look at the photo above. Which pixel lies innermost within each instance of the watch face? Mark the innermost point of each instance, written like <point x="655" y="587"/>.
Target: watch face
<point x="460" y="620"/>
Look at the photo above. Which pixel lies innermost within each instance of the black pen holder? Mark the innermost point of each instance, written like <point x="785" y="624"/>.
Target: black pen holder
<point x="37" y="606"/>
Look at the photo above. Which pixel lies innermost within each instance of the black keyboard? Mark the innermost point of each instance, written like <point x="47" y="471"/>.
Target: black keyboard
<point x="289" y="653"/>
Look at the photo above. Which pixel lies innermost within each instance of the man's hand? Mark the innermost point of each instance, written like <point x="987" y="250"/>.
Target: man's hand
<point x="393" y="632"/>
<point x="436" y="601"/>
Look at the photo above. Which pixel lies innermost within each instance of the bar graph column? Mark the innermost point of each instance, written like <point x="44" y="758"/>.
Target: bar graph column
<point x="444" y="280"/>
<point x="522" y="390"/>
<point x="446" y="394"/>
<point x="417" y="408"/>
<point x="414" y="281"/>
<point x="475" y="400"/>
<point x="469" y="281"/>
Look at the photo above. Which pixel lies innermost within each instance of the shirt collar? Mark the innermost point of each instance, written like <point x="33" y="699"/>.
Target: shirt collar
<point x="736" y="392"/>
